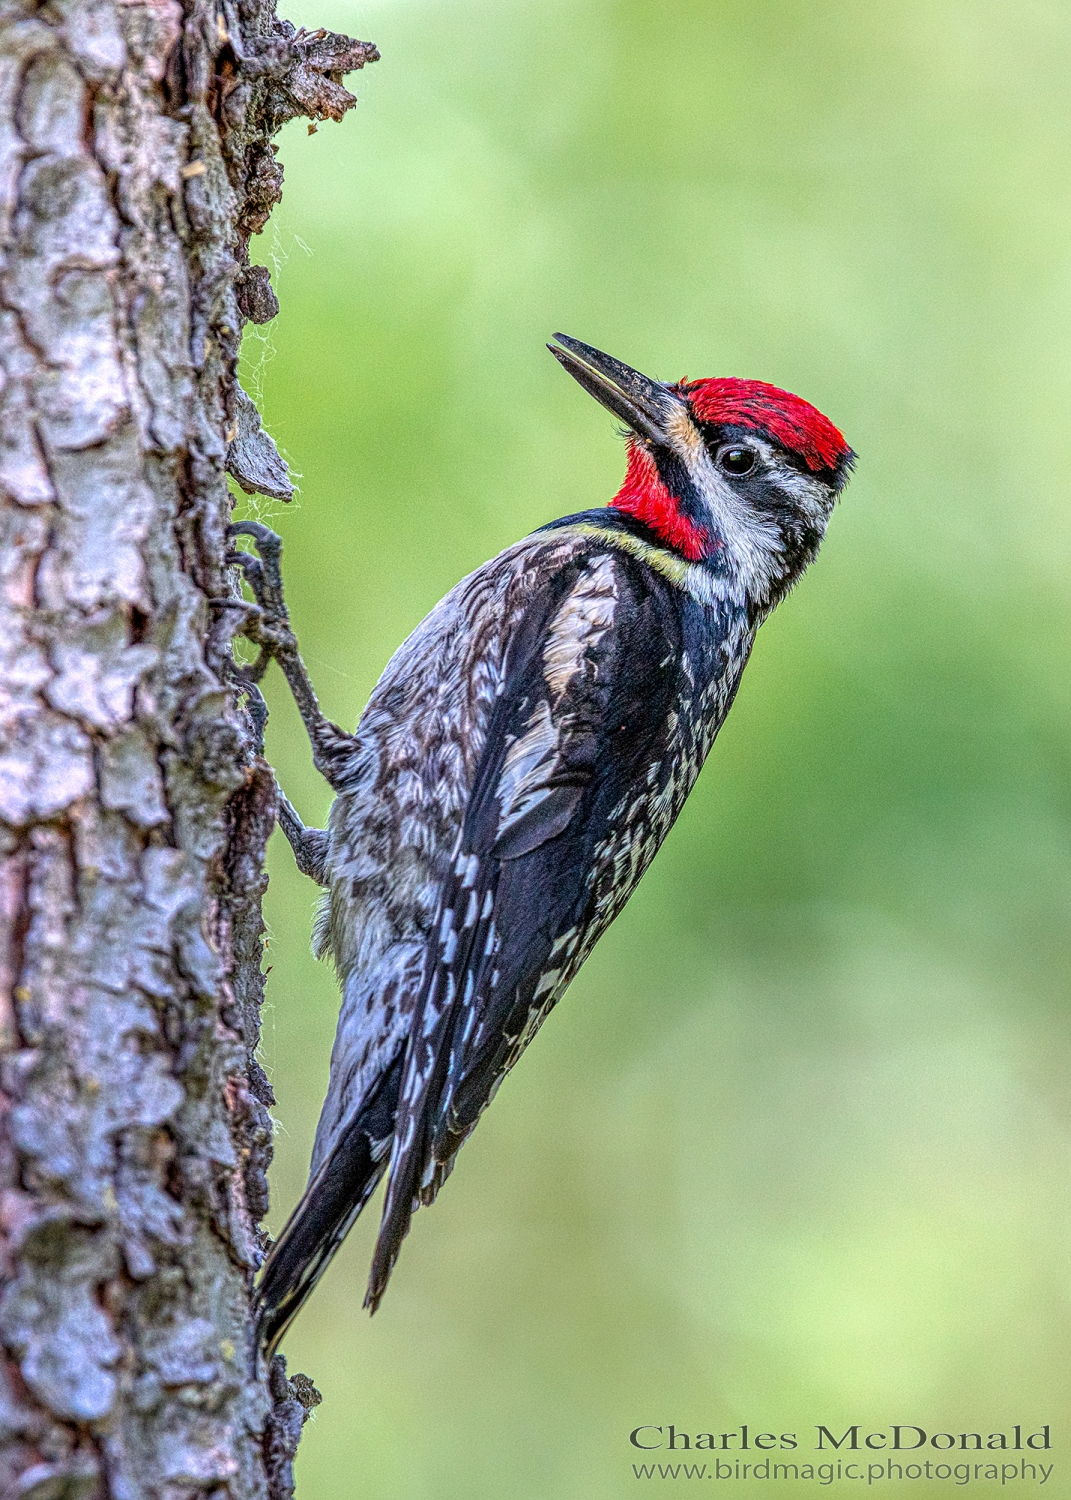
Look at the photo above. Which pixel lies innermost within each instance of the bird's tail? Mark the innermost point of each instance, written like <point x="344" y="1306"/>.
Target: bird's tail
<point x="327" y="1211"/>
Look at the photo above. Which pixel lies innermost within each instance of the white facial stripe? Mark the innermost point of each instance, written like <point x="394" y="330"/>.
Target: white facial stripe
<point x="754" y="543"/>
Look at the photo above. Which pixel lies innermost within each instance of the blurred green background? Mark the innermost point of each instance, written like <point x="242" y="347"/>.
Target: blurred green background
<point x="796" y="1148"/>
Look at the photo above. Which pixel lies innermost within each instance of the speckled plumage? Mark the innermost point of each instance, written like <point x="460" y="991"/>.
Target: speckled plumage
<point x="519" y="763"/>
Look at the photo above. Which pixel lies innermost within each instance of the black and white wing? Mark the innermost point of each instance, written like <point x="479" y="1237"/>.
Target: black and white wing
<point x="571" y="796"/>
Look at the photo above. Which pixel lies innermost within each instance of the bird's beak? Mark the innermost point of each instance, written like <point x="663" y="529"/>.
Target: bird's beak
<point x="646" y="405"/>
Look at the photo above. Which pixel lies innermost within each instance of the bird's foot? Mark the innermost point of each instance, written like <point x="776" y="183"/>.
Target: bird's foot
<point x="255" y="707"/>
<point x="267" y="623"/>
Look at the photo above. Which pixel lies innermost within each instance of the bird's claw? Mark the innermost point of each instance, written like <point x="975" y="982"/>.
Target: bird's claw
<point x="267" y="623"/>
<point x="255" y="707"/>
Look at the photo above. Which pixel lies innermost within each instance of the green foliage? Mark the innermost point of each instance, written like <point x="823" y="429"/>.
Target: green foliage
<point x="795" y="1148"/>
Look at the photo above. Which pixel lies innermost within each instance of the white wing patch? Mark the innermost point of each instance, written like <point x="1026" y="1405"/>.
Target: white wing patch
<point x="529" y="761"/>
<point x="584" y="618"/>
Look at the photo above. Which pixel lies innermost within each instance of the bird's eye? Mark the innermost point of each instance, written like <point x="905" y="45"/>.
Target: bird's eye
<point x="737" y="460"/>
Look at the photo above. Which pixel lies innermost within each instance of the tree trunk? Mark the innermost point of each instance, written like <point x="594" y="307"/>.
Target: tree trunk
<point x="135" y="162"/>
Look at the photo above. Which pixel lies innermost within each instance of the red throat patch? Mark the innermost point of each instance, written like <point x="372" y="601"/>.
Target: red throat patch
<point x="793" y="422"/>
<point x="644" y="496"/>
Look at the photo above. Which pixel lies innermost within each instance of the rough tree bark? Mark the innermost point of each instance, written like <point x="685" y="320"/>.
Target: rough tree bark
<point x="135" y="163"/>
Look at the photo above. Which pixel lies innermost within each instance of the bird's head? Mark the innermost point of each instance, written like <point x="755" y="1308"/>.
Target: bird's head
<point x="735" y="476"/>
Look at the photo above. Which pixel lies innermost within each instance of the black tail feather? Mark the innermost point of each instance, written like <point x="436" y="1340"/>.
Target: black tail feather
<point x="327" y="1211"/>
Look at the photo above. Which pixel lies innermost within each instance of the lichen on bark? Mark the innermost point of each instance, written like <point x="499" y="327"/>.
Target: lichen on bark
<point x="135" y="163"/>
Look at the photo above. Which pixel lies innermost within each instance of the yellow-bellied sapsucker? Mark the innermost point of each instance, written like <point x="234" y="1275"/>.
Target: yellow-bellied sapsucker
<point x="518" y="764"/>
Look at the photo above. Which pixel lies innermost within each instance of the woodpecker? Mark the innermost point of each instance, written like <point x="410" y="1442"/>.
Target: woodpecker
<point x="519" y="762"/>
